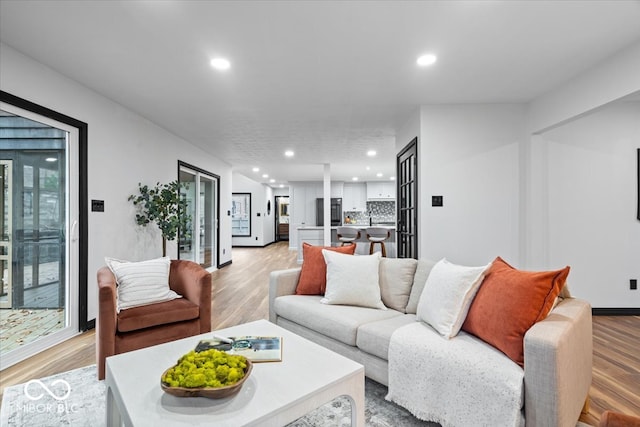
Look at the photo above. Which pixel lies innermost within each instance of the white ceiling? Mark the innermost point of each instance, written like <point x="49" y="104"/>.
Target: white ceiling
<point x="327" y="79"/>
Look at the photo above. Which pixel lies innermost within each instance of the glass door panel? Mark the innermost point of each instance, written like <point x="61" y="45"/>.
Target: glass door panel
<point x="187" y="245"/>
<point x="198" y="242"/>
<point x="38" y="305"/>
<point x="5" y="234"/>
<point x="206" y="218"/>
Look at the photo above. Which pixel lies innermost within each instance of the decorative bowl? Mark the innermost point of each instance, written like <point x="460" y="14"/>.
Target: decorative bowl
<point x="208" y="392"/>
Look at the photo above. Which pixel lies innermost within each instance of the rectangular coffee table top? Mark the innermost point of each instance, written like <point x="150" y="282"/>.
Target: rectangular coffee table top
<point x="272" y="387"/>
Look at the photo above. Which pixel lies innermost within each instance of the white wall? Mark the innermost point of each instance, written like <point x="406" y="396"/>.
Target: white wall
<point x="579" y="189"/>
<point x="281" y="191"/>
<point x="610" y="80"/>
<point x="409" y="130"/>
<point x="404" y="136"/>
<point x="592" y="203"/>
<point x="469" y="154"/>
<point x="262" y="226"/>
<point x="124" y="149"/>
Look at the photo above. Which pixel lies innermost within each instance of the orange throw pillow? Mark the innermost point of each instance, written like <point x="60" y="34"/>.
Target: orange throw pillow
<point x="509" y="302"/>
<point x="313" y="275"/>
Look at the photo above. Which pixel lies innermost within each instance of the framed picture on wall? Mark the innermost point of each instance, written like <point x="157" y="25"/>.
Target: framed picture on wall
<point x="241" y="214"/>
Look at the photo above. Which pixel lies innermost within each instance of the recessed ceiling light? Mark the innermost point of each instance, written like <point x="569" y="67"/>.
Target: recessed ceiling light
<point x="256" y="169"/>
<point x="265" y="175"/>
<point x="220" y="63"/>
<point x="281" y="185"/>
<point x="371" y="153"/>
<point x="355" y="178"/>
<point x="392" y="178"/>
<point x="51" y="159"/>
<point x="368" y="168"/>
<point x="272" y="180"/>
<point x="379" y="174"/>
<point x="288" y="153"/>
<point x="426" y="60"/>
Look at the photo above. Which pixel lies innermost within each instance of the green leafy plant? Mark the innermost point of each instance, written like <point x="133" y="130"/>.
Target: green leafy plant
<point x="164" y="205"/>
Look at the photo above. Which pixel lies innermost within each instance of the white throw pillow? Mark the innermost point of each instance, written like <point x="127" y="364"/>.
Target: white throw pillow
<point x="141" y="283"/>
<point x="352" y="280"/>
<point x="448" y="294"/>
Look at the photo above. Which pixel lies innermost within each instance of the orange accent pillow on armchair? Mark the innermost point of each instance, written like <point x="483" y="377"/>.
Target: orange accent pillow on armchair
<point x="313" y="275"/>
<point x="509" y="302"/>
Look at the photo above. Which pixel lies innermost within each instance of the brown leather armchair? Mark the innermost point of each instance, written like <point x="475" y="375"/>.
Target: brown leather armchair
<point x="140" y="327"/>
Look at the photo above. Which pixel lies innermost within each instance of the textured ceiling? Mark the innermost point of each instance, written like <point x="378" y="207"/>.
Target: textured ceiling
<point x="327" y="79"/>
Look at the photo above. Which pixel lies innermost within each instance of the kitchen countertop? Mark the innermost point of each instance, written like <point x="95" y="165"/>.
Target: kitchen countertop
<point x="335" y="227"/>
<point x="312" y="234"/>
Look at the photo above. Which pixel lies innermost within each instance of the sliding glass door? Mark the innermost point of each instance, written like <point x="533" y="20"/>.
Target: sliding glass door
<point x="39" y="212"/>
<point x="199" y="242"/>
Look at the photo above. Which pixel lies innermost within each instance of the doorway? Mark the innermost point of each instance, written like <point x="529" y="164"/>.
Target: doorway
<point x="42" y="263"/>
<point x="407" y="191"/>
<point x="200" y="242"/>
<point x="282" y="218"/>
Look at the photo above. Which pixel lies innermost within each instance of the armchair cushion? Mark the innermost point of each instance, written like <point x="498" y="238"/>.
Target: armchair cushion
<point x="141" y="283"/>
<point x="161" y="313"/>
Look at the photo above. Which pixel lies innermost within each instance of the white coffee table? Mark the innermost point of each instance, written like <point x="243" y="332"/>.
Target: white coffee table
<point x="275" y="394"/>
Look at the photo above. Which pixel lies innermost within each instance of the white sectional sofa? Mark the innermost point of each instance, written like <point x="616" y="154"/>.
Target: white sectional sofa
<point x="557" y="350"/>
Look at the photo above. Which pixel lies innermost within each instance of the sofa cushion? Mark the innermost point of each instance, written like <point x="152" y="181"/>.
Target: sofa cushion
<point x="396" y="279"/>
<point x="353" y="280"/>
<point x="141" y="283"/>
<point x="447" y="295"/>
<point x="162" y="313"/>
<point x="313" y="275"/>
<point x="374" y="337"/>
<point x="340" y="322"/>
<point x="509" y="302"/>
<point x="422" y="273"/>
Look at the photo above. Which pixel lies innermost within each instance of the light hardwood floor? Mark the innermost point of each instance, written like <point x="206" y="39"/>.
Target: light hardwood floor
<point x="240" y="294"/>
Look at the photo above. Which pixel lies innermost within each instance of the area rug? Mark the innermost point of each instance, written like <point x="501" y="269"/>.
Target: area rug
<point x="50" y="402"/>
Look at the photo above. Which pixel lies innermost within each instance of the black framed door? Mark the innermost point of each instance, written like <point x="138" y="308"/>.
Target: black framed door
<point x="407" y="204"/>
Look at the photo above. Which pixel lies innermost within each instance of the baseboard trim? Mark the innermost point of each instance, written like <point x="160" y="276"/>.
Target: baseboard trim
<point x="615" y="311"/>
<point x="256" y="246"/>
<point x="91" y="324"/>
<point x="224" y="264"/>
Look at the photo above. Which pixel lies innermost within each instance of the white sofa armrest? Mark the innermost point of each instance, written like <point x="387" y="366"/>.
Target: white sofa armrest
<point x="281" y="282"/>
<point x="558" y="361"/>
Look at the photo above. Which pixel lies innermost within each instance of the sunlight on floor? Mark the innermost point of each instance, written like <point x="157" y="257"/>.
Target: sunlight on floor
<point x="22" y="326"/>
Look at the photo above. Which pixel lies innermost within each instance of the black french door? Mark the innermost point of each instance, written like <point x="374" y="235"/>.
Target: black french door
<point x="407" y="200"/>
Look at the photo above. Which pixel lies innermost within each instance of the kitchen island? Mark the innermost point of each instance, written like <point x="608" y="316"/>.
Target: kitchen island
<point x="314" y="235"/>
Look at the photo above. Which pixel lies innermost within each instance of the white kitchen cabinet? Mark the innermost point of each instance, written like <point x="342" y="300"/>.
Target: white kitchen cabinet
<point x="381" y="190"/>
<point x="354" y="198"/>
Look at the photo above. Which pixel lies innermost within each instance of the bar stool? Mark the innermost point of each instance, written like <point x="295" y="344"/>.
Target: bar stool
<point x="378" y="235"/>
<point x="348" y="235"/>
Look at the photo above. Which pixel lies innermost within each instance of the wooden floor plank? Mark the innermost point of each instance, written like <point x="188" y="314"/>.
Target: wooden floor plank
<point x="240" y="294"/>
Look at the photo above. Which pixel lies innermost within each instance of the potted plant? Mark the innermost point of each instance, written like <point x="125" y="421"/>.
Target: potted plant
<point x="164" y="205"/>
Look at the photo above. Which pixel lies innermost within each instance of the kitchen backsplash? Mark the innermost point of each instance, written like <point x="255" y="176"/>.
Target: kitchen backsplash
<point x="381" y="212"/>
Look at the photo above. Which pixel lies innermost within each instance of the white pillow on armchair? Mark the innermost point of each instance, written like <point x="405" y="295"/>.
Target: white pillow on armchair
<point x="141" y="283"/>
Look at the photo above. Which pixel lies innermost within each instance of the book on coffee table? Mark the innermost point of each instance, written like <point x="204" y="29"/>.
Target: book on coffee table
<point x="254" y="348"/>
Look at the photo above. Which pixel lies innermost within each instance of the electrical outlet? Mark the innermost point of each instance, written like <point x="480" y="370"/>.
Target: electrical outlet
<point x="633" y="284"/>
